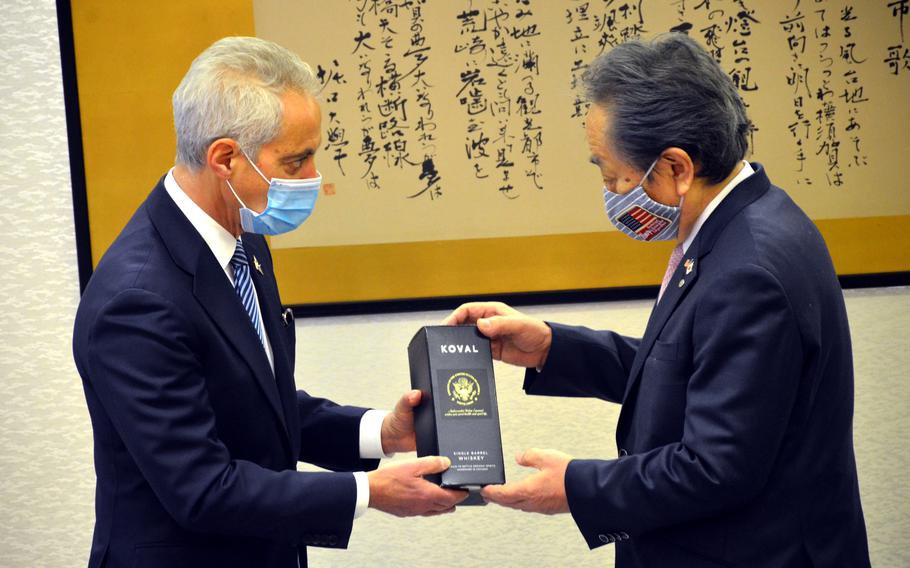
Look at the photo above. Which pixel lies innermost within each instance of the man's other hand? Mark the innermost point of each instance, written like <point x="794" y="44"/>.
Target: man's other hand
<point x="543" y="492"/>
<point x="515" y="338"/>
<point x="400" y="489"/>
<point x="398" y="426"/>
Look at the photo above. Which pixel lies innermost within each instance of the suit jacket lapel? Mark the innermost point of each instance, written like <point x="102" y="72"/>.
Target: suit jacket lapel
<point x="213" y="290"/>
<point x="686" y="273"/>
<point x="270" y="303"/>
<point x="681" y="282"/>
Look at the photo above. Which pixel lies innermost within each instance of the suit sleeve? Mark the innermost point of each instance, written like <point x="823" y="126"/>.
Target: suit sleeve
<point x="746" y="369"/>
<point x="337" y="431"/>
<point x="142" y="366"/>
<point x="584" y="363"/>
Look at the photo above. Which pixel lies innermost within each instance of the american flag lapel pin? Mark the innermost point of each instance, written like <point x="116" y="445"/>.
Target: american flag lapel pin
<point x="257" y="266"/>
<point x="689" y="264"/>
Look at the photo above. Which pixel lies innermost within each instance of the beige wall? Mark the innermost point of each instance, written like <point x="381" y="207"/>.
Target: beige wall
<point x="46" y="474"/>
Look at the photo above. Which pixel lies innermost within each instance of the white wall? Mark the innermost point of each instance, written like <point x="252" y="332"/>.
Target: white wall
<point x="46" y="474"/>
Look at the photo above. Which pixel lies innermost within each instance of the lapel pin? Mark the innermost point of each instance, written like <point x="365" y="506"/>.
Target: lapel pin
<point x="284" y="318"/>
<point x="256" y="265"/>
<point x="689" y="264"/>
<point x="682" y="283"/>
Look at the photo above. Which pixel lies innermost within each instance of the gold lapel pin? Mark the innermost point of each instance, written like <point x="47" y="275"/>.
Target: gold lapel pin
<point x="256" y="265"/>
<point x="689" y="264"/>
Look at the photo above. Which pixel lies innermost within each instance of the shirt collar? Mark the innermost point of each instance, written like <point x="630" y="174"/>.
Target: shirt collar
<point x="742" y="175"/>
<point x="221" y="242"/>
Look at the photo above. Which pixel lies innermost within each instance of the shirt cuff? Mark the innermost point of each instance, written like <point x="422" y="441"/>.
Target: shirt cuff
<point x="371" y="435"/>
<point x="363" y="493"/>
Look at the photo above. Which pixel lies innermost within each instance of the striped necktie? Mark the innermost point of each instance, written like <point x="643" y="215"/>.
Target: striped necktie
<point x="243" y="285"/>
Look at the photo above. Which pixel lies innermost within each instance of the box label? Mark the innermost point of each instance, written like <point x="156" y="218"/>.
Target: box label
<point x="465" y="393"/>
<point x="472" y="461"/>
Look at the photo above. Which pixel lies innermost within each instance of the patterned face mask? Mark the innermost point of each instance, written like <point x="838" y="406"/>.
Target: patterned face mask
<point x="639" y="216"/>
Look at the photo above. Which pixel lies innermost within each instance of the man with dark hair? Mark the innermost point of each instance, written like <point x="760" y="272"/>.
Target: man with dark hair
<point x="735" y="437"/>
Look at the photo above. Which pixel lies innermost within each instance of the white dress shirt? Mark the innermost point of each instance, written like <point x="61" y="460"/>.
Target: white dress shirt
<point x="222" y="244"/>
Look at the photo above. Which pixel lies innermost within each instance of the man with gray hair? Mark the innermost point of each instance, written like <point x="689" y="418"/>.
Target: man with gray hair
<point x="735" y="437"/>
<point x="187" y="357"/>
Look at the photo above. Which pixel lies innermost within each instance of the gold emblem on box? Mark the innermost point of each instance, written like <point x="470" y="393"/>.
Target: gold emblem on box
<point x="463" y="389"/>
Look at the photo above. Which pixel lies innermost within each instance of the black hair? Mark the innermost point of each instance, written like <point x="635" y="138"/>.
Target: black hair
<point x="669" y="92"/>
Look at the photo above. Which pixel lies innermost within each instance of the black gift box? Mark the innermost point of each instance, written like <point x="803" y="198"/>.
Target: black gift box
<point x="458" y="416"/>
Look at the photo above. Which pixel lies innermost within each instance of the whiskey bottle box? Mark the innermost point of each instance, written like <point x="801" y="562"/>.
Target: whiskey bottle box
<point x="458" y="416"/>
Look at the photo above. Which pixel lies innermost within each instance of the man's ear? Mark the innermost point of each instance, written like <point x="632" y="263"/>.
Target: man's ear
<point x="681" y="169"/>
<point x="221" y="157"/>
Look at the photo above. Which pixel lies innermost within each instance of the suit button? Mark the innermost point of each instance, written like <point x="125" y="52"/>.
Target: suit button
<point x="624" y="536"/>
<point x="603" y="538"/>
<point x="333" y="540"/>
<point x="623" y="452"/>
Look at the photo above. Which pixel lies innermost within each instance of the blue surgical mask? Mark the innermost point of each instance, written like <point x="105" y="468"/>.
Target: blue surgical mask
<point x="639" y="216"/>
<point x="290" y="202"/>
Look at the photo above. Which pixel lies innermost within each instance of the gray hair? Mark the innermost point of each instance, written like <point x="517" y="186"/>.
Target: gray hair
<point x="233" y="90"/>
<point x="665" y="93"/>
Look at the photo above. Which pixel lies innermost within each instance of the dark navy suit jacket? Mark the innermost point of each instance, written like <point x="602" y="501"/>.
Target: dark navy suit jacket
<point x="735" y="437"/>
<point x="196" y="441"/>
